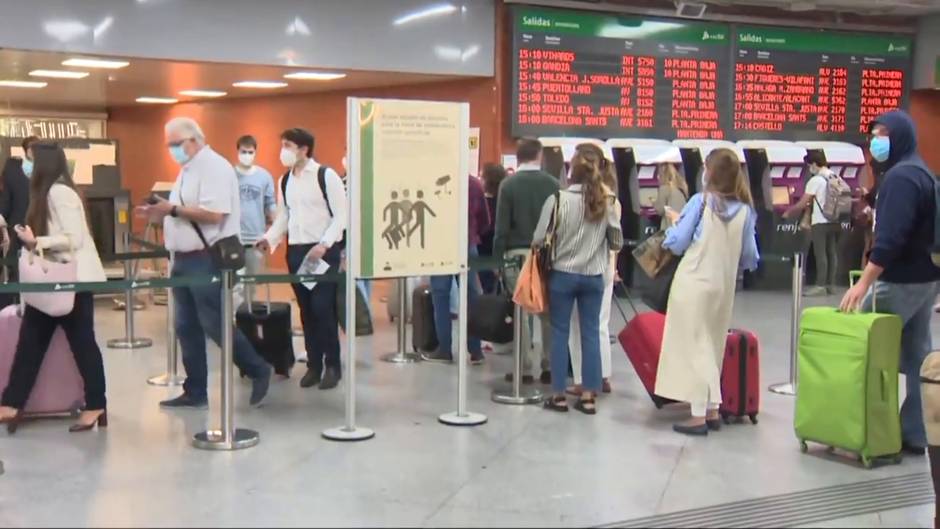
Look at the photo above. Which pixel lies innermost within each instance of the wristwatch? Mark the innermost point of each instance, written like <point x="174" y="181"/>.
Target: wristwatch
<point x="173" y="212"/>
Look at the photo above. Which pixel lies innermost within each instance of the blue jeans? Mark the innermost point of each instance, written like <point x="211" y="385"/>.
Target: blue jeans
<point x="198" y="316"/>
<point x="914" y="304"/>
<point x="440" y="296"/>
<point x="588" y="291"/>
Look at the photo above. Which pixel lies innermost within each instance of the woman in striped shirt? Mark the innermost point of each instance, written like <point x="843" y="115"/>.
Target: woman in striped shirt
<point x="586" y="229"/>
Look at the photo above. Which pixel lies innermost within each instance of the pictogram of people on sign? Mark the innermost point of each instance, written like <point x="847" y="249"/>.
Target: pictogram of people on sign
<point x="404" y="219"/>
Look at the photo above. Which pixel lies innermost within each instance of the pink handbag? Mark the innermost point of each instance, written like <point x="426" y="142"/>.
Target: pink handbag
<point x="35" y="268"/>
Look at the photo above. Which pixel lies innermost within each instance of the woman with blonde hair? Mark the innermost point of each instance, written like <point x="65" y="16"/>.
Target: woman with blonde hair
<point x="592" y="155"/>
<point x="586" y="230"/>
<point x="673" y="193"/>
<point x="715" y="235"/>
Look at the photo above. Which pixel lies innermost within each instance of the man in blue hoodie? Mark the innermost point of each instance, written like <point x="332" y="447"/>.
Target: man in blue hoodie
<point x="905" y="279"/>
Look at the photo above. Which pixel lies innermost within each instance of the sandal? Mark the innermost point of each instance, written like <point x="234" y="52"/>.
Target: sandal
<point x="556" y="403"/>
<point x="586" y="406"/>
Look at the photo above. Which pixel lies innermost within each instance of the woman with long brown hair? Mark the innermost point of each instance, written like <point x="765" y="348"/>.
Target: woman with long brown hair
<point x="715" y="235"/>
<point x="593" y="155"/>
<point x="56" y="225"/>
<point x="673" y="193"/>
<point x="586" y="230"/>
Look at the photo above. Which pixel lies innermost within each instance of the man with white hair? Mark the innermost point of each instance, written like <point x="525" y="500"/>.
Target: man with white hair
<point x="203" y="208"/>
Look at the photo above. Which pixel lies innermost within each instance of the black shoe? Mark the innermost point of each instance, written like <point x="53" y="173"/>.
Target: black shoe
<point x="186" y="401"/>
<point x="477" y="359"/>
<point x="438" y="357"/>
<point x="912" y="450"/>
<point x="713" y="424"/>
<point x="259" y="389"/>
<point x="546" y="378"/>
<point x="311" y="378"/>
<point x="528" y="380"/>
<point x="698" y="431"/>
<point x="331" y="378"/>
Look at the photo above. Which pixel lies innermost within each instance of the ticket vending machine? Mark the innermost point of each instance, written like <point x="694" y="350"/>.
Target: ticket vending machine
<point x="695" y="152"/>
<point x="558" y="151"/>
<point x="636" y="161"/>
<point x="848" y="161"/>
<point x="775" y="172"/>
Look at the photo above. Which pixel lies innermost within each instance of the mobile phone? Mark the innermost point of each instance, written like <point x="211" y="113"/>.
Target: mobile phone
<point x="152" y="200"/>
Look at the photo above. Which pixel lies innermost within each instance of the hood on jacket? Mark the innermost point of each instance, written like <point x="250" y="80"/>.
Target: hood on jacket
<point x="902" y="134"/>
<point x="725" y="209"/>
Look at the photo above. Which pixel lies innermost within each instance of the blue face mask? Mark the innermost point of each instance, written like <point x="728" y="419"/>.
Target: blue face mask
<point x="880" y="148"/>
<point x="179" y="154"/>
<point x="27" y="166"/>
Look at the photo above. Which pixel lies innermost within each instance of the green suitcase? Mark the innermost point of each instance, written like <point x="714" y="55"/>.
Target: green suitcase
<point x="847" y="396"/>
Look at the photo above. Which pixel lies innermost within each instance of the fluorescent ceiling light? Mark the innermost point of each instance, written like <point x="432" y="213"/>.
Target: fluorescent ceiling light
<point x="203" y="93"/>
<point x="315" y="76"/>
<point x="96" y="63"/>
<point x="157" y="100"/>
<point x="23" y="84"/>
<point x="59" y="74"/>
<point x="433" y="11"/>
<point x="259" y="84"/>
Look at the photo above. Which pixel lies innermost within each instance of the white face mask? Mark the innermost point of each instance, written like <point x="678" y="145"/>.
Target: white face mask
<point x="288" y="157"/>
<point x="246" y="159"/>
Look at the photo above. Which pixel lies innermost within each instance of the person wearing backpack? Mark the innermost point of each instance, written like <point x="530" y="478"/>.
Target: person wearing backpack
<point x="901" y="273"/>
<point x="312" y="215"/>
<point x="831" y="200"/>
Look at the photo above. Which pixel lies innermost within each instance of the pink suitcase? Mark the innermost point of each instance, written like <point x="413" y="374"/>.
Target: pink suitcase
<point x="59" y="387"/>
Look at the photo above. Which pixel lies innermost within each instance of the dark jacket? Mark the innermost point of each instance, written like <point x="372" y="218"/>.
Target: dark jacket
<point x="14" y="193"/>
<point x="518" y="208"/>
<point x="479" y="217"/>
<point x="905" y="208"/>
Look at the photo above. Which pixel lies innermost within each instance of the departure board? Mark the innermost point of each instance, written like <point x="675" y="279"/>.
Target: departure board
<point x="603" y="76"/>
<point x="796" y="84"/>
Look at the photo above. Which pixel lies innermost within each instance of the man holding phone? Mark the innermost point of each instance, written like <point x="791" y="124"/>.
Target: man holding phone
<point x="203" y="209"/>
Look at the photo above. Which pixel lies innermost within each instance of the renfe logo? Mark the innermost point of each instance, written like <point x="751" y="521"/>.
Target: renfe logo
<point x="712" y="36"/>
<point x="538" y="22"/>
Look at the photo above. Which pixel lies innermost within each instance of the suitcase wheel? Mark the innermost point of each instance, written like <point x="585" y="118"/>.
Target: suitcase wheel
<point x="725" y="419"/>
<point x="830" y="450"/>
<point x="804" y="447"/>
<point x="897" y="460"/>
<point x="866" y="462"/>
<point x="753" y="418"/>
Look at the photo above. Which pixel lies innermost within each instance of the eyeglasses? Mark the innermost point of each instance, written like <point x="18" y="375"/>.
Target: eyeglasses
<point x="179" y="143"/>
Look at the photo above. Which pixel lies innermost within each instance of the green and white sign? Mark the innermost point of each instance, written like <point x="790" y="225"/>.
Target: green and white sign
<point x="804" y="40"/>
<point x="408" y="183"/>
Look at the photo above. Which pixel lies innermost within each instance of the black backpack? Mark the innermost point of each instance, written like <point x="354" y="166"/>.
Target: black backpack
<point x="321" y="181"/>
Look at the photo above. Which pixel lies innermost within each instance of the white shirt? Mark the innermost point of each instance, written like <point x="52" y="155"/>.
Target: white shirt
<point x="305" y="218"/>
<point x="208" y="181"/>
<point x="68" y="234"/>
<point x="530" y="166"/>
<point x="817" y="186"/>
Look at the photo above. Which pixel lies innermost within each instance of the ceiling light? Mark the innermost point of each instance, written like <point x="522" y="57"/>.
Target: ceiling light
<point x="259" y="84"/>
<point x="315" y="76"/>
<point x="157" y="100"/>
<point x="59" y="74"/>
<point x="433" y="11"/>
<point x="203" y="93"/>
<point x="23" y="84"/>
<point x="95" y="63"/>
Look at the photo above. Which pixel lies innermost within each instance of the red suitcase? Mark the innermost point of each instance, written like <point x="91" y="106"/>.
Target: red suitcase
<point x="740" y="377"/>
<point x="642" y="340"/>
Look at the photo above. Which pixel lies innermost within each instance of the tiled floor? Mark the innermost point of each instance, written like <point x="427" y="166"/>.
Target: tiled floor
<point x="526" y="467"/>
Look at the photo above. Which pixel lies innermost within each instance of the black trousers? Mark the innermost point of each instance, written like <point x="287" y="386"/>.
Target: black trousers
<point x="35" y="335"/>
<point x="318" y="313"/>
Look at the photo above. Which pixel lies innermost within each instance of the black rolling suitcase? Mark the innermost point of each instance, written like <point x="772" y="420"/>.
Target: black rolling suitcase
<point x="423" y="335"/>
<point x="268" y="327"/>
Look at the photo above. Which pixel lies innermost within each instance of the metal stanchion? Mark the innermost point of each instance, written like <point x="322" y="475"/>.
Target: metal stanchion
<point x="789" y="387"/>
<point x="227" y="437"/>
<point x="171" y="377"/>
<point x="129" y="341"/>
<point x="403" y="355"/>
<point x="462" y="417"/>
<point x="520" y="345"/>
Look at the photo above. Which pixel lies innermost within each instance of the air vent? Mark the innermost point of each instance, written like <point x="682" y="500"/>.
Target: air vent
<point x="690" y="9"/>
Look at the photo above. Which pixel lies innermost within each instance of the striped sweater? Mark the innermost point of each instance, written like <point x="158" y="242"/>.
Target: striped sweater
<point x="581" y="247"/>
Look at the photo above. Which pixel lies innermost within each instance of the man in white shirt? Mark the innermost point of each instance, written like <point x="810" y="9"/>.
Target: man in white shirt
<point x="824" y="232"/>
<point x="312" y="214"/>
<point x="205" y="195"/>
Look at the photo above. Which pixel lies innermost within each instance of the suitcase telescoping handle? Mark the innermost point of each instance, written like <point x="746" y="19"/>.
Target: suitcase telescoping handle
<point x="264" y="270"/>
<point x="616" y="301"/>
<point x="854" y="276"/>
